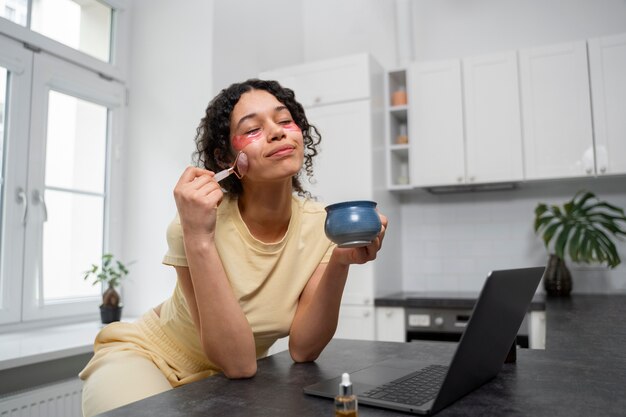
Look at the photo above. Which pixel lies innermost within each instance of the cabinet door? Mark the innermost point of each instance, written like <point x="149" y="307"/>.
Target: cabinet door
<point x="356" y="323"/>
<point x="390" y="324"/>
<point x="493" y="130"/>
<point x="556" y="111"/>
<point x="607" y="63"/>
<point x="343" y="167"/>
<point x="436" y="123"/>
<point x="325" y="82"/>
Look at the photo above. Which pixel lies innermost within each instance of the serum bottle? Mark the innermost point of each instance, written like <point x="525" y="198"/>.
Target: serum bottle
<point x="346" y="403"/>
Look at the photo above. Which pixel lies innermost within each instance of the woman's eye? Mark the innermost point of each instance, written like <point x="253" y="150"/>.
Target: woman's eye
<point x="256" y="130"/>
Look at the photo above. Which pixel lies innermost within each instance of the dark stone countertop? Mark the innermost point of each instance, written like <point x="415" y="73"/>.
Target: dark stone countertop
<point x="443" y="299"/>
<point x="582" y="372"/>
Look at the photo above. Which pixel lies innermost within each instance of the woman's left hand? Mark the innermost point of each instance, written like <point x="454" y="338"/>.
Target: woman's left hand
<point x="362" y="254"/>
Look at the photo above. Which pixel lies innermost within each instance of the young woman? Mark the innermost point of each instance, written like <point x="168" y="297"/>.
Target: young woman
<point x="252" y="261"/>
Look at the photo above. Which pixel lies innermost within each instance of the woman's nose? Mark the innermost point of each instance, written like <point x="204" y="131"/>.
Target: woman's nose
<point x="276" y="132"/>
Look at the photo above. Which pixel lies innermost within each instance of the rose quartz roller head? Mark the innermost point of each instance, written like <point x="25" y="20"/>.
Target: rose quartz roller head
<point x="239" y="168"/>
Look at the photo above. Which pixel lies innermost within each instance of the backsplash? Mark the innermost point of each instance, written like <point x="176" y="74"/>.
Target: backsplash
<point x="451" y="241"/>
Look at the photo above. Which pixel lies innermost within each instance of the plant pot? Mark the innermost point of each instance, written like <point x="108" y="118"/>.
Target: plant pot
<point x="557" y="280"/>
<point x="110" y="314"/>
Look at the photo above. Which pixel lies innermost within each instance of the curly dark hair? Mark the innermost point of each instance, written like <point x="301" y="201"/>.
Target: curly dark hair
<point x="213" y="148"/>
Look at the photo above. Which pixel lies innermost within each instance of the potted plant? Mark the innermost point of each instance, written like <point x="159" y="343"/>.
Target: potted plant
<point x="110" y="272"/>
<point x="582" y="228"/>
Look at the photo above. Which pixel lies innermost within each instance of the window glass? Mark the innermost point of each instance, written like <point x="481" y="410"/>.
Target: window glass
<point x="14" y="10"/>
<point x="76" y="144"/>
<point x="74" y="196"/>
<point x="72" y="241"/>
<point x="81" y="24"/>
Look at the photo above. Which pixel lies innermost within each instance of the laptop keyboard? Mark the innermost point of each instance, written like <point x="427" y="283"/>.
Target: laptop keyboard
<point x="414" y="389"/>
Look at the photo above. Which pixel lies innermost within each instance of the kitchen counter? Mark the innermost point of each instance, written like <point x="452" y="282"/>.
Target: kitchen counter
<point x="582" y="372"/>
<point x="443" y="299"/>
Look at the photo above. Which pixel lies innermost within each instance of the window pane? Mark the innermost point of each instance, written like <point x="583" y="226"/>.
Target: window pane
<point x="76" y="144"/>
<point x="14" y="10"/>
<point x="81" y="24"/>
<point x="72" y="241"/>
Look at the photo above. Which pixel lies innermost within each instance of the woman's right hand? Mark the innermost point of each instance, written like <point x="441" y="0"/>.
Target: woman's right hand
<point x="197" y="196"/>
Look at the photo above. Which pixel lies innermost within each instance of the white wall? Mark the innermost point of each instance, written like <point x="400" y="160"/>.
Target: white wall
<point x="457" y="28"/>
<point x="275" y="33"/>
<point x="170" y="86"/>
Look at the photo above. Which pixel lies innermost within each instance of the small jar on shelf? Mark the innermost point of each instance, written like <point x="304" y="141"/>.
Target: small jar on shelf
<point x="402" y="138"/>
<point x="403" y="174"/>
<point x="399" y="97"/>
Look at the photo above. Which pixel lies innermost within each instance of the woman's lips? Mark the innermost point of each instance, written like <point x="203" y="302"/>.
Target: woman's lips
<point x="282" y="151"/>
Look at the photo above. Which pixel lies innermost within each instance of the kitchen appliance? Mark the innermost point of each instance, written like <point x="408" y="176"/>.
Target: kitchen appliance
<point x="442" y="316"/>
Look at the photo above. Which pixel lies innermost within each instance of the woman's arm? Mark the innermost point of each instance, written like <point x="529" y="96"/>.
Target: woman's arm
<point x="316" y="318"/>
<point x="225" y="333"/>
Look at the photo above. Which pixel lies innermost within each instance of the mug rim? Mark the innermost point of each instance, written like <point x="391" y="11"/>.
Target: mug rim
<point x="352" y="203"/>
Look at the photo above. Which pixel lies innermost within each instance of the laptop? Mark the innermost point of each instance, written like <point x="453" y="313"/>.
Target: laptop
<point x="400" y="384"/>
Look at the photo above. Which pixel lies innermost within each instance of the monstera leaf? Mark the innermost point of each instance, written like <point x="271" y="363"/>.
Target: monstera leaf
<point x="582" y="228"/>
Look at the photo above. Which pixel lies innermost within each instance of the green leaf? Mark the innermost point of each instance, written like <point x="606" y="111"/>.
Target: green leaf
<point x="540" y="209"/>
<point x="542" y="221"/>
<point x="574" y="244"/>
<point x="582" y="200"/>
<point x="549" y="233"/>
<point x="561" y="241"/>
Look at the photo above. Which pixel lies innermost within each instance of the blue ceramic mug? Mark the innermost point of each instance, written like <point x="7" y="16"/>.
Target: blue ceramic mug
<point x="352" y="224"/>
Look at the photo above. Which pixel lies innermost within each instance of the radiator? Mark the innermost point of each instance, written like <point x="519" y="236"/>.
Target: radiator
<point x="61" y="399"/>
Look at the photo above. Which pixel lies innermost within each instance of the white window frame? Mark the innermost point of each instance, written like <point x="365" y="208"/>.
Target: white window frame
<point x="35" y="60"/>
<point x="51" y="73"/>
<point x="117" y="69"/>
<point x="18" y="62"/>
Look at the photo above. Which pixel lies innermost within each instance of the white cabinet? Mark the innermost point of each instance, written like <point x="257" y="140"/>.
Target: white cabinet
<point x="436" y="123"/>
<point x="493" y="131"/>
<point x="329" y="81"/>
<point x="345" y="153"/>
<point x="465" y="122"/>
<point x="390" y="324"/>
<point x="558" y="140"/>
<point x="343" y="99"/>
<point x="356" y="322"/>
<point x="607" y="65"/>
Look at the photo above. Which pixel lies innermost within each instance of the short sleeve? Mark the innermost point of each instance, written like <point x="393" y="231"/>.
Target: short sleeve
<point x="175" y="255"/>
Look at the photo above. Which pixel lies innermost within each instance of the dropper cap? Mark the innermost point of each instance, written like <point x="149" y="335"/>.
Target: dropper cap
<point x="345" y="387"/>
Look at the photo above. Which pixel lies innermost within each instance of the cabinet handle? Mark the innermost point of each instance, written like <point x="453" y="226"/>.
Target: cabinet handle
<point x="472" y="178"/>
<point x="459" y="179"/>
<point x="317" y="100"/>
<point x="388" y="313"/>
<point x="366" y="314"/>
<point x="588" y="171"/>
<point x="603" y="169"/>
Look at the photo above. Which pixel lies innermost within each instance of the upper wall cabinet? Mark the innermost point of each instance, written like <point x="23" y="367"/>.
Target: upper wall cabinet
<point x="493" y="131"/>
<point x="558" y="139"/>
<point x="327" y="82"/>
<point x="436" y="123"/>
<point x="464" y="121"/>
<point x="607" y="64"/>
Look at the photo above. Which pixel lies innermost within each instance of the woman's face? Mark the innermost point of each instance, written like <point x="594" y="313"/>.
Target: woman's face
<point x="262" y="127"/>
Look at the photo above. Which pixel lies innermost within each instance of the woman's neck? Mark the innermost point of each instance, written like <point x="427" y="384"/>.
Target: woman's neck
<point x="266" y="210"/>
